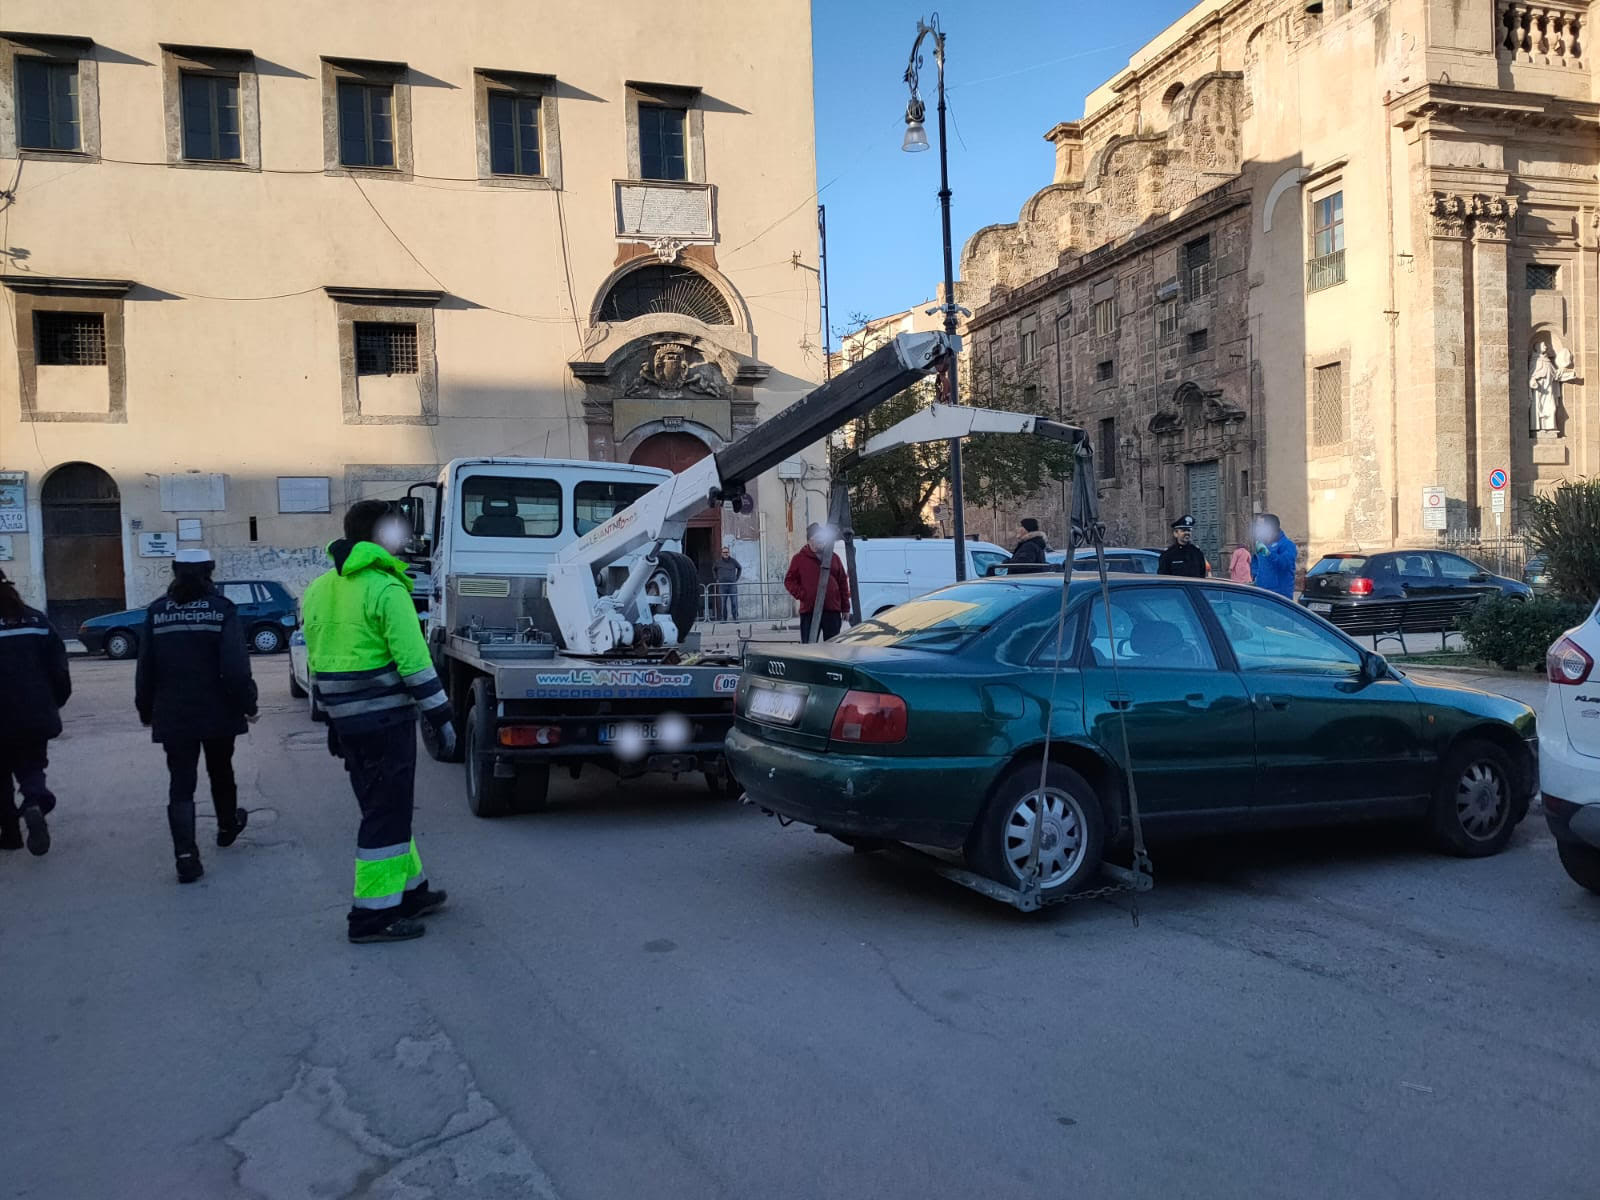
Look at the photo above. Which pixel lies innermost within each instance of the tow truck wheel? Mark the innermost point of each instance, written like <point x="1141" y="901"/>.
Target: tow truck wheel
<point x="677" y="581"/>
<point x="486" y="795"/>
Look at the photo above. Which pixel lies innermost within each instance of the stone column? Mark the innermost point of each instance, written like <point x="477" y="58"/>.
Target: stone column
<point x="1491" y="221"/>
<point x="1447" y="218"/>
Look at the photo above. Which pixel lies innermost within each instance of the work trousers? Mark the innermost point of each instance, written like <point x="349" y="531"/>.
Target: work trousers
<point x="383" y="767"/>
<point x="183" y="767"/>
<point x="830" y="625"/>
<point x="25" y="760"/>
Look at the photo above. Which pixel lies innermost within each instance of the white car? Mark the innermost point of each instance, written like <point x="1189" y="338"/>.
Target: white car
<point x="892" y="570"/>
<point x="1569" y="750"/>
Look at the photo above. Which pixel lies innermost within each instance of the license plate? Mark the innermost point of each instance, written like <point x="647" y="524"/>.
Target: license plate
<point x="777" y="706"/>
<point x="612" y="730"/>
<point x="1318" y="606"/>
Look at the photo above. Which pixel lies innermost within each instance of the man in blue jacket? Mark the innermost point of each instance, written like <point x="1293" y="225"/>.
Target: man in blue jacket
<point x="1274" y="560"/>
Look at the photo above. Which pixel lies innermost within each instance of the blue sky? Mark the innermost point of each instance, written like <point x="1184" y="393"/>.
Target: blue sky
<point x="1014" y="68"/>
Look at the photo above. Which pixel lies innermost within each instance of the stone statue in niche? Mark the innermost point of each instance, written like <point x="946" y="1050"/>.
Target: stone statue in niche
<point x="1548" y="369"/>
<point x="668" y="374"/>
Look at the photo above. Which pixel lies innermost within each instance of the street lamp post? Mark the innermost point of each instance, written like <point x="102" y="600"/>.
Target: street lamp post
<point x="916" y="140"/>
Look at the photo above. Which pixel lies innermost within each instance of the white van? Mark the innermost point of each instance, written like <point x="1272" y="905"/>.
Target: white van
<point x="890" y="571"/>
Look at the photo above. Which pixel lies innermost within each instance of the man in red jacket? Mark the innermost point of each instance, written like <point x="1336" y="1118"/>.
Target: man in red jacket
<point x="801" y="583"/>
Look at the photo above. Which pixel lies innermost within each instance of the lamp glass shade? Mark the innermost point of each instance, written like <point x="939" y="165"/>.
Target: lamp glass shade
<point x="916" y="138"/>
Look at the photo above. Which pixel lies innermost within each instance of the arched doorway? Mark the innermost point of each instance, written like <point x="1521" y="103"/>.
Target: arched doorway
<point x="82" y="523"/>
<point x="674" y="452"/>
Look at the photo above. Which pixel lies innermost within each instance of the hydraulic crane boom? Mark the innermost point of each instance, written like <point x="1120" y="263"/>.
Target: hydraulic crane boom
<point x="629" y="616"/>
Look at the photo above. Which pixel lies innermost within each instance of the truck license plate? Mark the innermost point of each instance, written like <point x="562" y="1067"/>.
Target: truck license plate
<point x="612" y="730"/>
<point x="778" y="706"/>
<point x="1318" y="607"/>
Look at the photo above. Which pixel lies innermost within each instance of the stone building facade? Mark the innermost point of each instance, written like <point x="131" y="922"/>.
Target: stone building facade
<point x="1411" y="240"/>
<point x="265" y="260"/>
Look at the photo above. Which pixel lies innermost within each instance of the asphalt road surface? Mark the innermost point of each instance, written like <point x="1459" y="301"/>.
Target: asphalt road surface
<point x="649" y="993"/>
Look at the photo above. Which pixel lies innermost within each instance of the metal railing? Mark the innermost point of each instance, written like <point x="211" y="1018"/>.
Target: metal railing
<point x="1506" y="555"/>
<point x="1325" y="272"/>
<point x="746" y="602"/>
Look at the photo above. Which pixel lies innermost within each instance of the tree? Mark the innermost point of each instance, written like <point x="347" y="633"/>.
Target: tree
<point x="890" y="494"/>
<point x="1565" y="528"/>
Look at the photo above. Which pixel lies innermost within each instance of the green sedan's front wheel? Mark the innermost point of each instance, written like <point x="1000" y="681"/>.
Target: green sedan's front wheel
<point x="1473" y="807"/>
<point x="1067" y="816"/>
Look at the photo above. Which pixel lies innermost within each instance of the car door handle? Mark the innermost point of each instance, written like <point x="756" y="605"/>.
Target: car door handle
<point x="1196" y="700"/>
<point x="1120" y="701"/>
<point x="1272" y="703"/>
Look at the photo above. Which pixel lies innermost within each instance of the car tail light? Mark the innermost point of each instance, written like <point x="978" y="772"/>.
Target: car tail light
<point x="530" y="735"/>
<point x="1567" y="663"/>
<point x="875" y="717"/>
<point x="1361" y="586"/>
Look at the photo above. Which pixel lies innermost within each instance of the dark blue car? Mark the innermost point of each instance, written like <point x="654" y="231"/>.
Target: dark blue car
<point x="266" y="610"/>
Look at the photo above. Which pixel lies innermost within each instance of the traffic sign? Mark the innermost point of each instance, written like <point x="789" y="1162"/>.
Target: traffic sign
<point x="1497" y="502"/>
<point x="1498" y="479"/>
<point x="1433" y="508"/>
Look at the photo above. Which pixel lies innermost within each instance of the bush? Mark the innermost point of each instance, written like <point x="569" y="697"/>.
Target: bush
<point x="1516" y="633"/>
<point x="1565" y="528"/>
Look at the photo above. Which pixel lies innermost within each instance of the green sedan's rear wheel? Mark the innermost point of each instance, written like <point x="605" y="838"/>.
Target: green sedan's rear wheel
<point x="1071" y="831"/>
<point x="1474" y="810"/>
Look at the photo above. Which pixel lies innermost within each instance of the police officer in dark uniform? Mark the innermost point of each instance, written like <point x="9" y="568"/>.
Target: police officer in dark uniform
<point x="1183" y="557"/>
<point x="193" y="688"/>
<point x="34" y="684"/>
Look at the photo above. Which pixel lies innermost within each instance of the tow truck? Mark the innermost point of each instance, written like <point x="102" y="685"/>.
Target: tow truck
<point x="565" y="647"/>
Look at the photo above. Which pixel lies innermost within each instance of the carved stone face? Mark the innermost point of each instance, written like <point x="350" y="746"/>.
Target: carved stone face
<point x="669" y="365"/>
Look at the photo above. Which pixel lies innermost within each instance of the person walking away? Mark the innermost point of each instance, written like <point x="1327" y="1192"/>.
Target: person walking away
<point x="1183" y="557"/>
<point x="193" y="689"/>
<point x="34" y="684"/>
<point x="1031" y="547"/>
<point x="800" y="581"/>
<point x="1239" y="565"/>
<point x="371" y="671"/>
<point x="725" y="573"/>
<point x="1274" y="557"/>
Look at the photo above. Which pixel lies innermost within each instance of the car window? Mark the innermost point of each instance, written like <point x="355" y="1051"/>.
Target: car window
<point x="982" y="560"/>
<point x="942" y="620"/>
<point x="1150" y="627"/>
<point x="1268" y="636"/>
<point x="1453" y="566"/>
<point x="510" y="506"/>
<point x="594" y="501"/>
<point x="1343" y="564"/>
<point x="1415" y="566"/>
<point x="239" y="593"/>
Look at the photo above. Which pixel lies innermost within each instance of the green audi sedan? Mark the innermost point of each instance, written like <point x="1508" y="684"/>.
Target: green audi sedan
<point x="928" y="725"/>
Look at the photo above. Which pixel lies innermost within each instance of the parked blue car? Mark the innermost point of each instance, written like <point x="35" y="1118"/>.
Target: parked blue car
<point x="266" y="610"/>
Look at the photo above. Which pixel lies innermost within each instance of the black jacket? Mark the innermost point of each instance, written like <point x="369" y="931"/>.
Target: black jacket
<point x="193" y="680"/>
<point x="34" y="682"/>
<point x="1189" y="561"/>
<point x="1031" y="549"/>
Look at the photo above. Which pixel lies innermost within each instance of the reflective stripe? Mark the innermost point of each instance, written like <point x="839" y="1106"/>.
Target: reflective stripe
<point x="346" y="681"/>
<point x="38" y="630"/>
<point x="417" y="678"/>
<point x="435" y="700"/>
<point x="356" y="708"/>
<point x="193" y="627"/>
<point x="383" y="852"/>
<point x="377" y="901"/>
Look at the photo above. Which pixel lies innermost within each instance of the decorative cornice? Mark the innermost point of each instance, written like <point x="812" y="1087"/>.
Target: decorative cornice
<point x="55" y="285"/>
<point x="1527" y="111"/>
<point x="380" y="296"/>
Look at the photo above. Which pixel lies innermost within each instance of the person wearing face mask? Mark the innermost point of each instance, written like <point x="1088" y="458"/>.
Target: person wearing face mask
<point x="371" y="672"/>
<point x="193" y="690"/>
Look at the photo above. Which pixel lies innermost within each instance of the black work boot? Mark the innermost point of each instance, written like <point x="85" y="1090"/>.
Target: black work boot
<point x="11" y="833"/>
<point x="189" y="868"/>
<point x="180" y="820"/>
<point x="38" y="831"/>
<point x="401" y="929"/>
<point x="420" y="901"/>
<point x="227" y="836"/>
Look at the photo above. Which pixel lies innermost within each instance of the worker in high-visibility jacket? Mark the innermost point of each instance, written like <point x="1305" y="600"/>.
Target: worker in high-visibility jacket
<point x="370" y="672"/>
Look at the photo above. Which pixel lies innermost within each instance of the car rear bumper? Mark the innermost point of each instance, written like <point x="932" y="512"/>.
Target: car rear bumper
<point x="927" y="801"/>
<point x="1570" y="783"/>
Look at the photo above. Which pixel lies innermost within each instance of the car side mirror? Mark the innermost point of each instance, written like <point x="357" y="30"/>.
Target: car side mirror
<point x="1373" y="667"/>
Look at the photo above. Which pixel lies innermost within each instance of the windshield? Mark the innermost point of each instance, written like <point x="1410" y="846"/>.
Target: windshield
<point x="942" y="620"/>
<point x="510" y="506"/>
<point x="1344" y="564"/>
<point x="595" y="502"/>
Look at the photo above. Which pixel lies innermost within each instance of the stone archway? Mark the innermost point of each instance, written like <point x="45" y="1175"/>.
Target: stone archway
<point x="674" y="451"/>
<point x="82" y="524"/>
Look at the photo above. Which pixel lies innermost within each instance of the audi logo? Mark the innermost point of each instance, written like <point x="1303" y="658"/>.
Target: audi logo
<point x="777" y="668"/>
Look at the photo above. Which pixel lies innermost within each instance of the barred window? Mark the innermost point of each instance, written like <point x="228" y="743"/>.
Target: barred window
<point x="1105" y="371"/>
<point x="1167" y="318"/>
<point x="1105" y="316"/>
<point x="70" y="339"/>
<point x="1028" y="339"/>
<point x="1199" y="274"/>
<point x="1199" y="340"/>
<point x="1327" y="405"/>
<point x="386" y="349"/>
<point x="1543" y="277"/>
